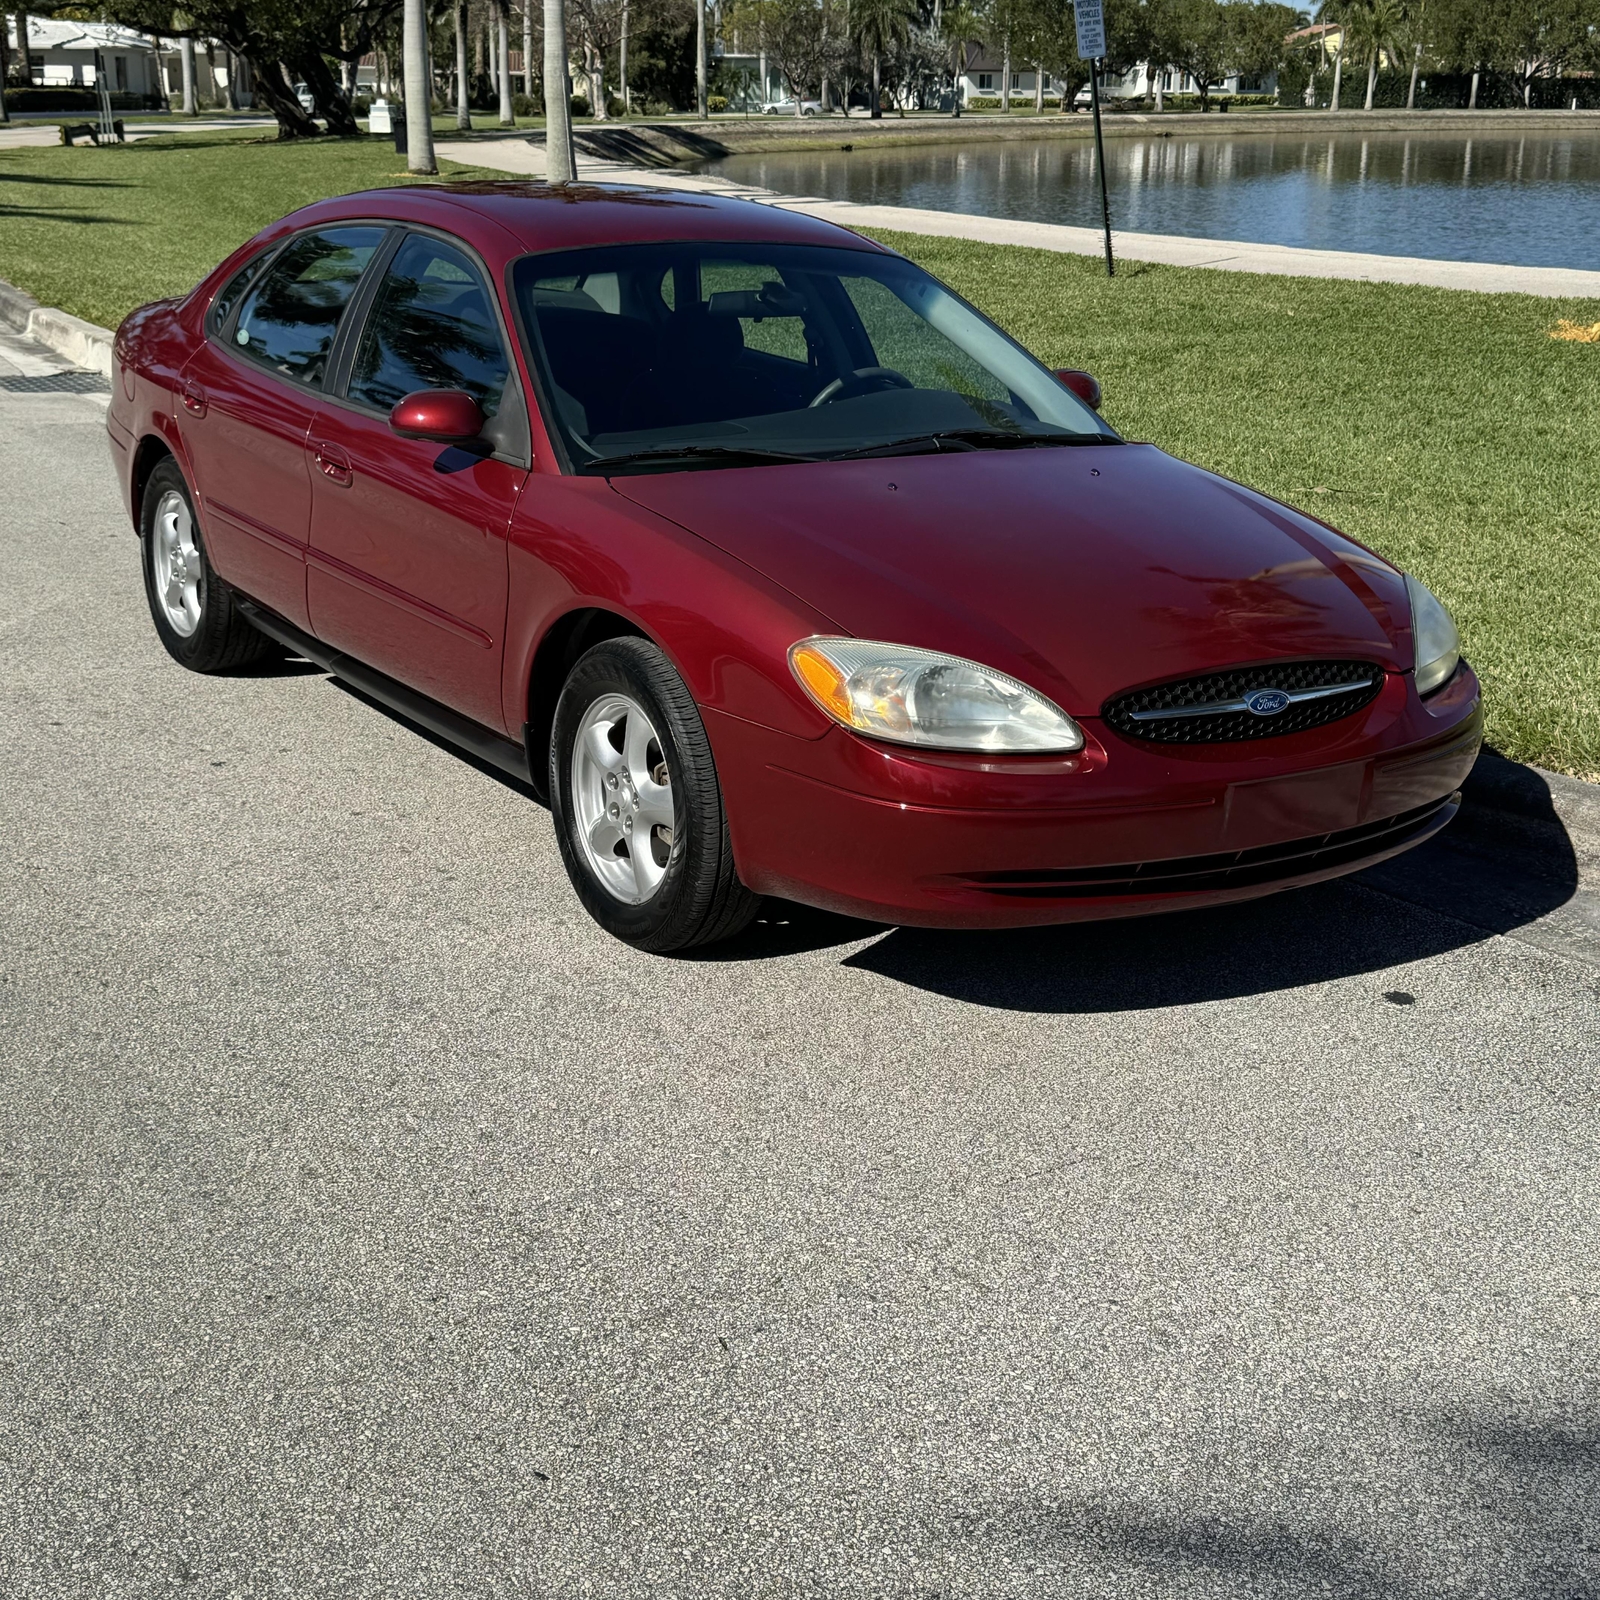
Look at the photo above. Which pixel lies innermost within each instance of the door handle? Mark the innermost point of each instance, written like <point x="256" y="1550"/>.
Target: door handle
<point x="332" y="462"/>
<point x="194" y="398"/>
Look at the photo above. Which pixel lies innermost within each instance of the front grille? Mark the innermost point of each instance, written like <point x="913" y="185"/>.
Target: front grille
<point x="1234" y="869"/>
<point x="1193" y="707"/>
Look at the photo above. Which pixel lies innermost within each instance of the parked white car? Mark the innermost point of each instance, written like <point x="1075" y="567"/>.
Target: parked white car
<point x="785" y="108"/>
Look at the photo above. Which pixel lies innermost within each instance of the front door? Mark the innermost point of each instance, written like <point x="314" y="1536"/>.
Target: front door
<point x="407" y="563"/>
<point x="245" y="404"/>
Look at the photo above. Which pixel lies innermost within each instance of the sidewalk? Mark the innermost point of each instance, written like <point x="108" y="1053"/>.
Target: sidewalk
<point x="519" y="156"/>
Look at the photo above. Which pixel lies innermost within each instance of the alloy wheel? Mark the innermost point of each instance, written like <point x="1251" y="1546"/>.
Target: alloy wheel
<point x="622" y="806"/>
<point x="179" y="565"/>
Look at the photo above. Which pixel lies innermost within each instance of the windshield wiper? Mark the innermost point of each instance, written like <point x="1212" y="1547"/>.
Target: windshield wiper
<point x="707" y="455"/>
<point x="969" y="439"/>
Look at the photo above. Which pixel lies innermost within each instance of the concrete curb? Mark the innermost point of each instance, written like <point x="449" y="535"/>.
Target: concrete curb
<point x="82" y="343"/>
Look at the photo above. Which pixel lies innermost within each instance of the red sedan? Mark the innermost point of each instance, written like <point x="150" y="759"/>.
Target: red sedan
<point x="770" y="562"/>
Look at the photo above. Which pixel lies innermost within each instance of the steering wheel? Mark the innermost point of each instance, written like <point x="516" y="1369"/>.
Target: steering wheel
<point x="864" y="380"/>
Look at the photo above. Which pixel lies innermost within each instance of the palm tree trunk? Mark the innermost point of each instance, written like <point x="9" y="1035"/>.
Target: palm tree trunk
<point x="1372" y="78"/>
<point x="1472" y="99"/>
<point x="1338" y="75"/>
<point x="877" y="108"/>
<point x="1416" y="67"/>
<point x="700" y="59"/>
<point x="463" y="109"/>
<point x="507" y="119"/>
<point x="527" y="46"/>
<point x="23" y="50"/>
<point x="186" y="59"/>
<point x="622" y="63"/>
<point x="1038" y="89"/>
<point x="1005" y="74"/>
<point x="1160" y="74"/>
<point x="824" y="93"/>
<point x="559" y="164"/>
<point x="419" y="91"/>
<point x="5" y="116"/>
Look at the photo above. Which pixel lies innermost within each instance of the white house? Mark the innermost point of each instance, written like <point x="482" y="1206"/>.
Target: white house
<point x="65" y="54"/>
<point x="984" y="79"/>
<point x="984" y="76"/>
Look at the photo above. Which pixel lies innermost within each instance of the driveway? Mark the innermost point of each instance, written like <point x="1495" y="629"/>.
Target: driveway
<point x="371" y="1225"/>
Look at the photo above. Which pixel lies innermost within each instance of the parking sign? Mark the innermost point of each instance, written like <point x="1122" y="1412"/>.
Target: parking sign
<point x="1091" y="20"/>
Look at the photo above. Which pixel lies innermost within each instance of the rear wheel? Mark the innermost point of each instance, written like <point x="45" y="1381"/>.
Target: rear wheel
<point x="193" y="609"/>
<point x="637" y="806"/>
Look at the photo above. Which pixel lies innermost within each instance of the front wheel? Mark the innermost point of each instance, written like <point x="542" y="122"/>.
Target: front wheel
<point x="638" y="810"/>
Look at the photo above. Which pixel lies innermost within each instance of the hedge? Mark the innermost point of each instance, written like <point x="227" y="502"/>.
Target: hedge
<point x="64" y="98"/>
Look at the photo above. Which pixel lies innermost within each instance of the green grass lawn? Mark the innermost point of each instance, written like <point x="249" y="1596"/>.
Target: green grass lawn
<point x="99" y="232"/>
<point x="1446" y="430"/>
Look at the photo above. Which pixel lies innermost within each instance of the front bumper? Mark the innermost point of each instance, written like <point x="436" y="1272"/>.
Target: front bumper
<point x="1121" y="829"/>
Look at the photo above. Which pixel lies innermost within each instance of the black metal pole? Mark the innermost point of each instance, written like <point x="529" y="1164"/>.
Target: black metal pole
<point x="1100" y="162"/>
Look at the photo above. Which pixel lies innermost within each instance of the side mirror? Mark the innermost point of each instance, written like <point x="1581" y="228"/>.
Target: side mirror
<point x="448" y="415"/>
<point x="1083" y="384"/>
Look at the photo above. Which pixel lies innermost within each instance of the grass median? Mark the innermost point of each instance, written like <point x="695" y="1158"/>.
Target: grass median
<point x="1447" y="430"/>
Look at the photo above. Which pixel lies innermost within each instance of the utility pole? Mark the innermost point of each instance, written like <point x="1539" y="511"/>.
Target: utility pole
<point x="419" y="91"/>
<point x="560" y="164"/>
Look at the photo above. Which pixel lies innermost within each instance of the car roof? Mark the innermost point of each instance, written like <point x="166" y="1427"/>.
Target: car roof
<point x="503" y="220"/>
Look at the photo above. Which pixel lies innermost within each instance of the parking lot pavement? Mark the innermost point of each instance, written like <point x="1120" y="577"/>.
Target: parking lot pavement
<point x="371" y="1225"/>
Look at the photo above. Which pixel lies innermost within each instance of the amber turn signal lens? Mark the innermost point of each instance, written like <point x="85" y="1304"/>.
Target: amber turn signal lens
<point x="825" y="681"/>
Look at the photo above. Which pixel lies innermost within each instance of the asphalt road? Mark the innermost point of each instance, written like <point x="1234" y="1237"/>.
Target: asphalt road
<point x="371" y="1225"/>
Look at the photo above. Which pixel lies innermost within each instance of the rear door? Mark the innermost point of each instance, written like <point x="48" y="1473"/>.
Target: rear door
<point x="407" y="560"/>
<point x="246" y="400"/>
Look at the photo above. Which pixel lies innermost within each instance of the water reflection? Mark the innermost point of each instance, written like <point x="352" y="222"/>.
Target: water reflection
<point x="1532" y="199"/>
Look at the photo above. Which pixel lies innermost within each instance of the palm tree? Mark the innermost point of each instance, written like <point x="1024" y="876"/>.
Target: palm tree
<point x="1374" y="27"/>
<point x="958" y="25"/>
<point x="1416" y="11"/>
<point x="1337" y="13"/>
<point x="877" y="26"/>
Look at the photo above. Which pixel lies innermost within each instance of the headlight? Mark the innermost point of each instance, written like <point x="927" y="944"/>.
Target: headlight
<point x="894" y="691"/>
<point x="1438" y="645"/>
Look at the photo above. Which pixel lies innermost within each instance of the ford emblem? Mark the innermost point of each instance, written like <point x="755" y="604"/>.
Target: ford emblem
<point x="1266" y="702"/>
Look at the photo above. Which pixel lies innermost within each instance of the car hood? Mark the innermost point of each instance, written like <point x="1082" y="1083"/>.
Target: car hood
<point x="1083" y="570"/>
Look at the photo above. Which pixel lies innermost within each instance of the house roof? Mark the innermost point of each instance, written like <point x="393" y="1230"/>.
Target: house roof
<point x="62" y="33"/>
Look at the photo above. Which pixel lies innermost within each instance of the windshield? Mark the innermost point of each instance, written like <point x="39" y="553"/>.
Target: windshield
<point x="669" y="356"/>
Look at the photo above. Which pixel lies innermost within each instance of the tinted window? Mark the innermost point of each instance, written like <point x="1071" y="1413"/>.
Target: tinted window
<point x="432" y="327"/>
<point x="290" y="317"/>
<point x="799" y="350"/>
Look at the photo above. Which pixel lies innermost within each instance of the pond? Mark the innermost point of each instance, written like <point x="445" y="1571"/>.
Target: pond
<point x="1525" y="199"/>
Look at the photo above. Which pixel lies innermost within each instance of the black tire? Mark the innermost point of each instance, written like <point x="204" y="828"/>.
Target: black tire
<point x="220" y="639"/>
<point x="700" y="898"/>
